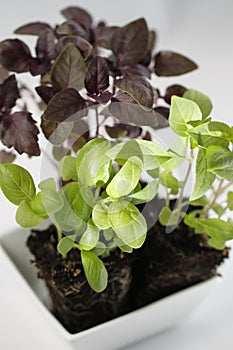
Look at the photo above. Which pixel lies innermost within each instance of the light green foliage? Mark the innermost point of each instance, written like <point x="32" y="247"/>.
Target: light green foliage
<point x="100" y="216"/>
<point x="146" y="194"/>
<point x="204" y="179"/>
<point x="128" y="223"/>
<point x="65" y="245"/>
<point x="169" y="181"/>
<point x="16" y="183"/>
<point x="26" y="216"/>
<point x="95" y="271"/>
<point x="92" y="165"/>
<point x="220" y="162"/>
<point x="211" y="133"/>
<point x="67" y="167"/>
<point x="126" y="179"/>
<point x="97" y="208"/>
<point x="201" y="100"/>
<point x="183" y="112"/>
<point x="90" y="237"/>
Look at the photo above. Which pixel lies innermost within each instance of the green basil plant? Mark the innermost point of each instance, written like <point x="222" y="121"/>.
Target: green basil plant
<point x="96" y="210"/>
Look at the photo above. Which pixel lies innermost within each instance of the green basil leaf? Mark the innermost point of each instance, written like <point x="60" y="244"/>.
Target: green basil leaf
<point x="37" y="205"/>
<point x="146" y="194"/>
<point x="181" y="113"/>
<point x="16" y="183"/>
<point x="128" y="223"/>
<point x="220" y="162"/>
<point x="100" y="216"/>
<point x="212" y="133"/>
<point x="230" y="200"/>
<point x="126" y="179"/>
<point x="90" y="237"/>
<point x="218" y="230"/>
<point x="201" y="100"/>
<point x="124" y="247"/>
<point x="67" y="167"/>
<point x="168" y="217"/>
<point x="169" y="181"/>
<point x="93" y="167"/>
<point x="26" y="217"/>
<point x="48" y="185"/>
<point x="204" y="179"/>
<point x="95" y="271"/>
<point x="65" y="245"/>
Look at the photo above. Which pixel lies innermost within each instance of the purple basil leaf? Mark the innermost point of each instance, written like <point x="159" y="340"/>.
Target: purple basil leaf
<point x="18" y="130"/>
<point x="45" y="93"/>
<point x="14" y="55"/>
<point x="4" y="74"/>
<point x="71" y="28"/>
<point x="138" y="88"/>
<point x="130" y="42"/>
<point x="66" y="105"/>
<point x="177" y="90"/>
<point x="34" y="28"/>
<point x="78" y="15"/>
<point x="45" y="47"/>
<point x="162" y="117"/>
<point x="104" y="35"/>
<point x="6" y="157"/>
<point x="56" y="132"/>
<point x="136" y="69"/>
<point x="9" y="93"/>
<point x="39" y="66"/>
<point x="82" y="45"/>
<point x="103" y="98"/>
<point x="97" y="76"/>
<point x="69" y="69"/>
<point x="151" y="45"/>
<point x="124" y="108"/>
<point x="168" y="63"/>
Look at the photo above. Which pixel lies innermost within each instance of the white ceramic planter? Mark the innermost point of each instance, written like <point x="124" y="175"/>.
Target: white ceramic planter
<point x="114" y="334"/>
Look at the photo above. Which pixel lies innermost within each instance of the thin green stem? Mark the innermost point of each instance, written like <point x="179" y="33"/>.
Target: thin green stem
<point x="217" y="193"/>
<point x="181" y="196"/>
<point x="59" y="235"/>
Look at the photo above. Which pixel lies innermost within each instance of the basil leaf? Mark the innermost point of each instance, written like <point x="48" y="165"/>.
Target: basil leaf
<point x="126" y="179"/>
<point x="128" y="223"/>
<point x="204" y="178"/>
<point x="65" y="245"/>
<point x="92" y="165"/>
<point x="146" y="194"/>
<point x="182" y="112"/>
<point x="100" y="216"/>
<point x="67" y="167"/>
<point x="90" y="237"/>
<point x="95" y="271"/>
<point x="16" y="183"/>
<point x="26" y="217"/>
<point x="201" y="100"/>
<point x="220" y="162"/>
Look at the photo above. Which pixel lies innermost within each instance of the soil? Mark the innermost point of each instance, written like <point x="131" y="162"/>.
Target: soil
<point x="166" y="263"/>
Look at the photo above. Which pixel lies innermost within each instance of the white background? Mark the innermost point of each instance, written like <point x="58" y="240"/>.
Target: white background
<point x="200" y="29"/>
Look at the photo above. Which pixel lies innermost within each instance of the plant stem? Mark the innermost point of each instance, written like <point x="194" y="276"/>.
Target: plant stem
<point x="97" y="120"/>
<point x="180" y="200"/>
<point x="59" y="235"/>
<point x="212" y="203"/>
<point x="228" y="205"/>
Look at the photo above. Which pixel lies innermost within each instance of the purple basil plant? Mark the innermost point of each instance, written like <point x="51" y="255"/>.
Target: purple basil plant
<point x="81" y="66"/>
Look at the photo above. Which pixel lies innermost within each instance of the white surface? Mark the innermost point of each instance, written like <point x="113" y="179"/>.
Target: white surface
<point x="122" y="331"/>
<point x="201" y="29"/>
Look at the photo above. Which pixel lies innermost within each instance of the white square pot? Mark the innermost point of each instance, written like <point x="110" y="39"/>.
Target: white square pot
<point x="114" y="334"/>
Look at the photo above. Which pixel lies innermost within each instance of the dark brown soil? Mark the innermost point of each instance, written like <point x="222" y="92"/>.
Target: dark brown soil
<point x="166" y="263"/>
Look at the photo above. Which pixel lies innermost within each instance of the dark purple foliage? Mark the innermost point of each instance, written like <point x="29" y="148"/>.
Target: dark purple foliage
<point x="97" y="76"/>
<point x="168" y="63"/>
<point x="76" y="76"/>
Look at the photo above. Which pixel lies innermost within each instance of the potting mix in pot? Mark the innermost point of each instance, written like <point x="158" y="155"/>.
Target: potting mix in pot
<point x="114" y="243"/>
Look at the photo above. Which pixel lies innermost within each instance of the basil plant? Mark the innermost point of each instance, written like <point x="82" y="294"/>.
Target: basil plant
<point x="96" y="209"/>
